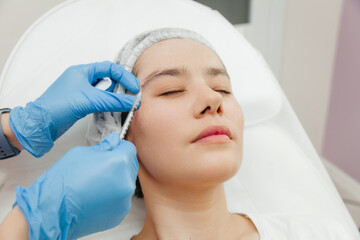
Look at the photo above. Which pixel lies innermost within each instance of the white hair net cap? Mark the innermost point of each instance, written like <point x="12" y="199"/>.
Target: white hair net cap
<point x="102" y="124"/>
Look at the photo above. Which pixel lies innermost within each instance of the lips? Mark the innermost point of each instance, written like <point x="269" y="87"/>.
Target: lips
<point x="211" y="131"/>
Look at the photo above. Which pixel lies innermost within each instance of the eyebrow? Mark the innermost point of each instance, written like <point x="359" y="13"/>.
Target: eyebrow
<point x="210" y="71"/>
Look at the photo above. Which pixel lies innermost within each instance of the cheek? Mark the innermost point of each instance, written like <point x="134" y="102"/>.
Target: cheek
<point x="234" y="113"/>
<point x="156" y="122"/>
<point x="239" y="128"/>
<point x="237" y="121"/>
<point x="155" y="131"/>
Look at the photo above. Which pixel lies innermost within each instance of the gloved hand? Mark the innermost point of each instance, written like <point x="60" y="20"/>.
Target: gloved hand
<point x="71" y="97"/>
<point x="88" y="190"/>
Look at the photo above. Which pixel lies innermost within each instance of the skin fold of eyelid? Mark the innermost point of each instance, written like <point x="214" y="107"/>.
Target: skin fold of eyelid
<point x="171" y="92"/>
<point x="223" y="91"/>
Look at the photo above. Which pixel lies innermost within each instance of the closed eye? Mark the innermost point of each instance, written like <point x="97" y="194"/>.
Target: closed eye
<point x="171" y="92"/>
<point x="223" y="91"/>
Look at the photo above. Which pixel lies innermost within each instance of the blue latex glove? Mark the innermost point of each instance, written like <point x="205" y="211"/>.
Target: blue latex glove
<point x="88" y="190"/>
<point x="71" y="97"/>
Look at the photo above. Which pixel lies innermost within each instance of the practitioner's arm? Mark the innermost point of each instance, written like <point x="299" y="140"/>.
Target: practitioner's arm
<point x="14" y="226"/>
<point x="88" y="190"/>
<point x="71" y="97"/>
<point x="8" y="133"/>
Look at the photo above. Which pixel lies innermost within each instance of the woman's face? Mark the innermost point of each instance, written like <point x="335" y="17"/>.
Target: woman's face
<point x="185" y="89"/>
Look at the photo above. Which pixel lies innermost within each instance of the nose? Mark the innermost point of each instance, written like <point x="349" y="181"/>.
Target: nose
<point x="208" y="101"/>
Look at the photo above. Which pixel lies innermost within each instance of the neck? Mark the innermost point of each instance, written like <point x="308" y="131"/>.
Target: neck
<point x="173" y="212"/>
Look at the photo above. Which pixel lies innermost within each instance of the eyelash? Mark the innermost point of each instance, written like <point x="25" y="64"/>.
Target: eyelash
<point x="171" y="92"/>
<point x="223" y="91"/>
<point x="178" y="91"/>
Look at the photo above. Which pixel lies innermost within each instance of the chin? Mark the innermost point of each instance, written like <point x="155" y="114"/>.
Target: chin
<point x="218" y="169"/>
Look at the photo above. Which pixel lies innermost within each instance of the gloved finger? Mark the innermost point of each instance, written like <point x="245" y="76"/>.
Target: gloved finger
<point x="116" y="73"/>
<point x="111" y="102"/>
<point x="119" y="147"/>
<point x="129" y="147"/>
<point x="110" y="142"/>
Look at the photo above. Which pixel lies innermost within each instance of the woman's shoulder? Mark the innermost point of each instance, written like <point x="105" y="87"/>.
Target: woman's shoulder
<point x="249" y="229"/>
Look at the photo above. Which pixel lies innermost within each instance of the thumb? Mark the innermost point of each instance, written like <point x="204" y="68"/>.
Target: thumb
<point x="110" y="142"/>
<point x="112" y="102"/>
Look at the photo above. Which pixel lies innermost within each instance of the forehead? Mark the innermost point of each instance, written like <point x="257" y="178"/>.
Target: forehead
<point x="175" y="43"/>
<point x="176" y="52"/>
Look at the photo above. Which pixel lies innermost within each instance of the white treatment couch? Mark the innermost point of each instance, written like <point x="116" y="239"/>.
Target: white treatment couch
<point x="281" y="174"/>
